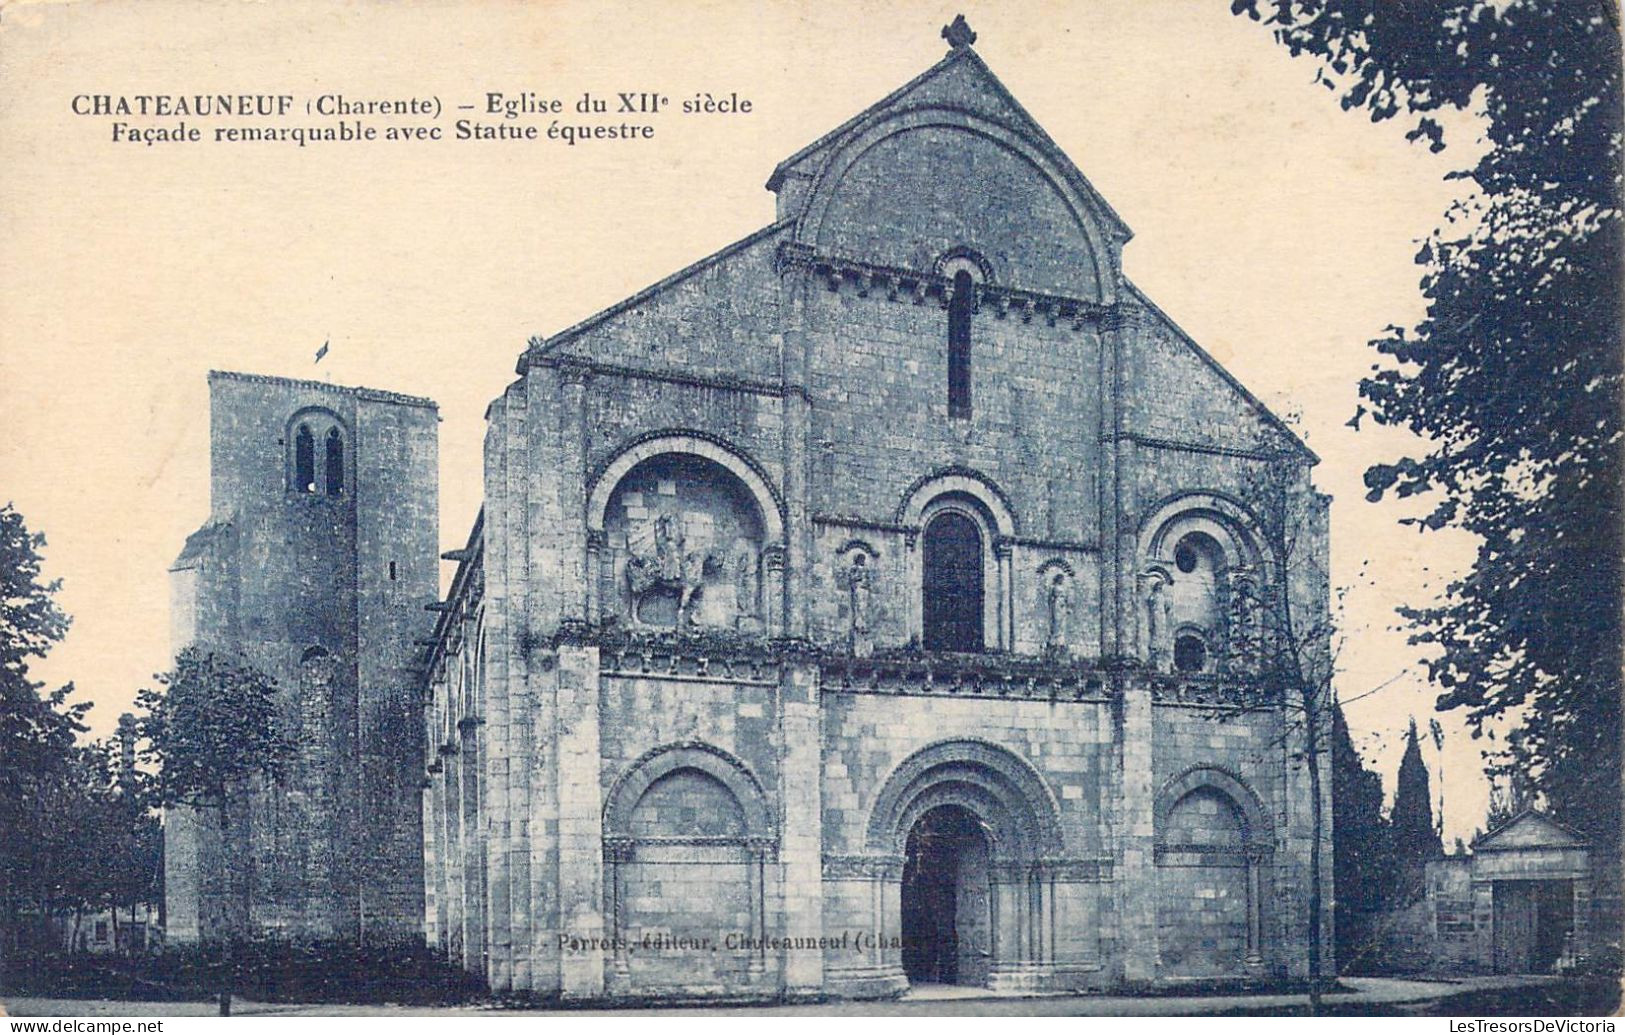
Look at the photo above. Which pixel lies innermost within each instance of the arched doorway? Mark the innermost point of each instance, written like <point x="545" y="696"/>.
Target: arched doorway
<point x="946" y="899"/>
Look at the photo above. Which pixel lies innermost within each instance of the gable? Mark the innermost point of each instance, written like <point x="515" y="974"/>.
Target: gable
<point x="1531" y="829"/>
<point x="718" y="316"/>
<point x="951" y="161"/>
<point x="932" y="185"/>
<point x="1178" y="392"/>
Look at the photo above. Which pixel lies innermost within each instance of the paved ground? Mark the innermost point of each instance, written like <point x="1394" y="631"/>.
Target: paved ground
<point x="1380" y="996"/>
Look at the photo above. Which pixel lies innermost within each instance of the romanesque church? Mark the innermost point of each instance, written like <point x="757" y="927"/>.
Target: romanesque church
<point x="852" y="609"/>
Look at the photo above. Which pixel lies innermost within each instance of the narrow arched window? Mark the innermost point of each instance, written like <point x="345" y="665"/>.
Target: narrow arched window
<point x="335" y="463"/>
<point x="304" y="460"/>
<point x="952" y="584"/>
<point x="959" y="310"/>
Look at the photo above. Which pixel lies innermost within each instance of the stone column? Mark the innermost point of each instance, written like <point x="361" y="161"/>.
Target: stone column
<point x="574" y="570"/>
<point x="1007" y="620"/>
<point x="1136" y="834"/>
<point x="595" y="575"/>
<point x="1484" y="924"/>
<point x="913" y="586"/>
<point x="617" y="853"/>
<point x="1255" y="907"/>
<point x="1111" y="622"/>
<point x="756" y="885"/>
<point x="801" y="842"/>
<point x="773" y="590"/>
<point x="798" y="450"/>
<point x="581" y="833"/>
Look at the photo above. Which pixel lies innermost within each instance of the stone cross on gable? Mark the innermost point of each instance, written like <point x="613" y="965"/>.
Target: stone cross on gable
<point x="958" y="33"/>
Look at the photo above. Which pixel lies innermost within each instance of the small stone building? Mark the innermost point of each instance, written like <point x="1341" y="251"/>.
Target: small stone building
<point x="857" y="607"/>
<point x="1520" y="903"/>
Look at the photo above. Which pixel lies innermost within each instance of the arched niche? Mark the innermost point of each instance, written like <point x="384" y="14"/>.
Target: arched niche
<point x="715" y="765"/>
<point x="1195" y="550"/>
<point x="684" y="533"/>
<point x="681" y="816"/>
<point x="1213" y="846"/>
<point x="869" y="199"/>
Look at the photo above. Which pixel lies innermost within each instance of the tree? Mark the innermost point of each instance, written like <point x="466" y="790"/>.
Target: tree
<point x="1510" y="794"/>
<point x="1280" y="642"/>
<point x="1512" y="380"/>
<point x="1362" y="849"/>
<point x="1416" y="839"/>
<point x="130" y="826"/>
<point x="37" y="732"/>
<point x="212" y="734"/>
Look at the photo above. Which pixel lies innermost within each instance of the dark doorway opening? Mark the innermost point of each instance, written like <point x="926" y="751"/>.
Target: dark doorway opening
<point x="947" y="910"/>
<point x="1533" y="920"/>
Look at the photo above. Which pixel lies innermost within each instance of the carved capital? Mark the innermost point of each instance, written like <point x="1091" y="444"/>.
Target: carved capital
<point x="863" y="867"/>
<point x="1123" y="319"/>
<point x="792" y="256"/>
<point x="574" y="371"/>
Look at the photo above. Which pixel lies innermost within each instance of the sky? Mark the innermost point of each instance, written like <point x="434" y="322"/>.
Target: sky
<point x="1276" y="228"/>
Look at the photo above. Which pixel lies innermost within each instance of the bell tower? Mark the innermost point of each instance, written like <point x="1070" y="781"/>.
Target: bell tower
<point x="315" y="566"/>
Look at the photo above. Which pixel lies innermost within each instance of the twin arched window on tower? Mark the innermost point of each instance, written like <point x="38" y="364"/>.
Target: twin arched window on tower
<point x="317" y="466"/>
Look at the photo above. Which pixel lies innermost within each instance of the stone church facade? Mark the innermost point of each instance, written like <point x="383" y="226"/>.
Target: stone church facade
<point x="856" y="607"/>
<point x="869" y="581"/>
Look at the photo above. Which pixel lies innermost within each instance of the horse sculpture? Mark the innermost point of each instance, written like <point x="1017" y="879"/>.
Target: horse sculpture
<point x="671" y="568"/>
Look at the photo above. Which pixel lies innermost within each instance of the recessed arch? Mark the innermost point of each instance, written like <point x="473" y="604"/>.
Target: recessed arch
<point x="1257" y="828"/>
<point x="715" y="763"/>
<point x="962" y="481"/>
<point x="1221" y="518"/>
<point x="682" y="442"/>
<point x="317" y="440"/>
<point x="1000" y="788"/>
<point x="1086" y="212"/>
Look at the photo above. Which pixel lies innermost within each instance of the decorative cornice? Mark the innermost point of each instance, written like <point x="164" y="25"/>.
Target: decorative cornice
<point x="916" y="287"/>
<point x="1036" y="543"/>
<point x="365" y="394"/>
<point x="1209" y="855"/>
<point x="1199" y="447"/>
<point x="738" y="664"/>
<point x="843" y="521"/>
<point x="974" y="675"/>
<point x="1074" y="871"/>
<point x="1216" y="691"/>
<point x="573" y="370"/>
<point x="625" y="849"/>
<point x="576" y="367"/>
